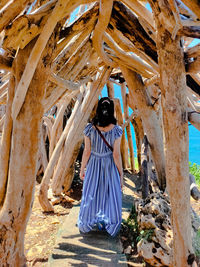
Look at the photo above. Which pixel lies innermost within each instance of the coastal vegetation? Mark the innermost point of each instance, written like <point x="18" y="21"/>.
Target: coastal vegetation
<point x="195" y="170"/>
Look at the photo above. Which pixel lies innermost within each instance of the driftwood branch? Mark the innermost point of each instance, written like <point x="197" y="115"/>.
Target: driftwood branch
<point x="103" y="20"/>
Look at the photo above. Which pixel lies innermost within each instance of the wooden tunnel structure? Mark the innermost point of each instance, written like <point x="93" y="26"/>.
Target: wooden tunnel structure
<point x="55" y="58"/>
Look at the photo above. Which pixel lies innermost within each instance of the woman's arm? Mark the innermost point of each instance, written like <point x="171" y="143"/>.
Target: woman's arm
<point x="85" y="157"/>
<point x="117" y="158"/>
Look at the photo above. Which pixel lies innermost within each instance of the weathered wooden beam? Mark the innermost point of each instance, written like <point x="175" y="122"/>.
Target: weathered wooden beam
<point x="43" y="192"/>
<point x="189" y="23"/>
<point x="21" y="174"/>
<point x="5" y="63"/>
<point x="3" y="88"/>
<point x="124" y="146"/>
<point x="184" y="10"/>
<point x="98" y="34"/>
<point x="6" y="142"/>
<point x="110" y="90"/>
<point x="71" y="48"/>
<point x="125" y="21"/>
<point x="69" y="85"/>
<point x="34" y="57"/>
<point x="26" y="27"/>
<point x="194" y="119"/>
<point x="152" y="126"/>
<point x="12" y="10"/>
<point x="128" y="127"/>
<point x="130" y="59"/>
<point x="73" y="67"/>
<point x="1" y="125"/>
<point x="83" y="24"/>
<point x="3" y="98"/>
<point x="193" y="67"/>
<point x="175" y="11"/>
<point x="175" y="126"/>
<point x="139" y="134"/>
<point x="193" y="51"/>
<point x="194" y="5"/>
<point x="143" y="13"/>
<point x="128" y="46"/>
<point x="192" y="31"/>
<point x="129" y="119"/>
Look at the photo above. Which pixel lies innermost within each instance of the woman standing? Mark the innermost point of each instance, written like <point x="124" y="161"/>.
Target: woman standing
<point x="101" y="203"/>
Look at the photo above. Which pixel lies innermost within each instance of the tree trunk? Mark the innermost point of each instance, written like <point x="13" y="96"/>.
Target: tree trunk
<point x="124" y="145"/>
<point x="175" y="124"/>
<point x="22" y="166"/>
<point x="68" y="179"/>
<point x="138" y="94"/>
<point x="128" y="127"/>
<point x="139" y="133"/>
<point x="6" y="142"/>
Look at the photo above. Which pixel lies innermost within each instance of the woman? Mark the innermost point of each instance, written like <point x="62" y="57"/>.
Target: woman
<point x="103" y="180"/>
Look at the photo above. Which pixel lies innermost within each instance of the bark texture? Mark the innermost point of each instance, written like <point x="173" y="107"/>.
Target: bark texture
<point x="173" y="88"/>
<point x="21" y="173"/>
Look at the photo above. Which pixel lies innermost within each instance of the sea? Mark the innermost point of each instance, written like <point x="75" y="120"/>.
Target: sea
<point x="194" y="134"/>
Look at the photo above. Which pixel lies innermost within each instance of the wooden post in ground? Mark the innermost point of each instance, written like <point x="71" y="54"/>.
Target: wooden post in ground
<point x="139" y="133"/>
<point x="6" y="142"/>
<point x="128" y="127"/>
<point x="175" y="123"/>
<point x="124" y="147"/>
<point x="21" y="173"/>
<point x="150" y="120"/>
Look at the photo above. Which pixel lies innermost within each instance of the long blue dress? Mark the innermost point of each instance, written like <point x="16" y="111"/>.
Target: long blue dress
<point x="102" y="196"/>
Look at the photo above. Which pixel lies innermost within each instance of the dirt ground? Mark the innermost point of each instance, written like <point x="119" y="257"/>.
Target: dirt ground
<point x="42" y="227"/>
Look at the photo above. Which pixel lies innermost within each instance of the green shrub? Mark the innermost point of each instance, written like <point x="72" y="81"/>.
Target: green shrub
<point x="136" y="164"/>
<point x="196" y="244"/>
<point x="195" y="170"/>
<point x="146" y="234"/>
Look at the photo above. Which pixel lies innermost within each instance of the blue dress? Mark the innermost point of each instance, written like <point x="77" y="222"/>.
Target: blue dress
<point x="102" y="196"/>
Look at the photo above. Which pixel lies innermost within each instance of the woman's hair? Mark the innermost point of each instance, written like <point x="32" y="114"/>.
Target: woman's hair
<point x="104" y="113"/>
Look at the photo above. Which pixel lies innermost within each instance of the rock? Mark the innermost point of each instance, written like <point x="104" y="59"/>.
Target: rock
<point x="153" y="216"/>
<point x="153" y="219"/>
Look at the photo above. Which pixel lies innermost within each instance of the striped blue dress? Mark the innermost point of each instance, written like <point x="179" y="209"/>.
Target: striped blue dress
<point x="101" y="196"/>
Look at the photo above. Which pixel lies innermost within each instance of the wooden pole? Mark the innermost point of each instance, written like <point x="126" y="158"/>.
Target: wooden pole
<point x="175" y="123"/>
<point x="128" y="127"/>
<point x="124" y="147"/>
<point x="110" y="88"/>
<point x="150" y="119"/>
<point x="6" y="142"/>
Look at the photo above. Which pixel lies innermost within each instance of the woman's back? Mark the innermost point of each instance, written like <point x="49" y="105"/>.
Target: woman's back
<point x="97" y="143"/>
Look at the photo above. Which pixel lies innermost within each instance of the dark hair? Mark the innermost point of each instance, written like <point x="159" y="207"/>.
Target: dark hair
<point x="104" y="113"/>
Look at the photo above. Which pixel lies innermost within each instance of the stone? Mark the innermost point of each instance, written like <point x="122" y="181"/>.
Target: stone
<point x="153" y="216"/>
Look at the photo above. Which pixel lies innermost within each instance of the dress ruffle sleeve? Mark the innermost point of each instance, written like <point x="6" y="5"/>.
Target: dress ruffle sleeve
<point x="118" y="131"/>
<point x="87" y="130"/>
